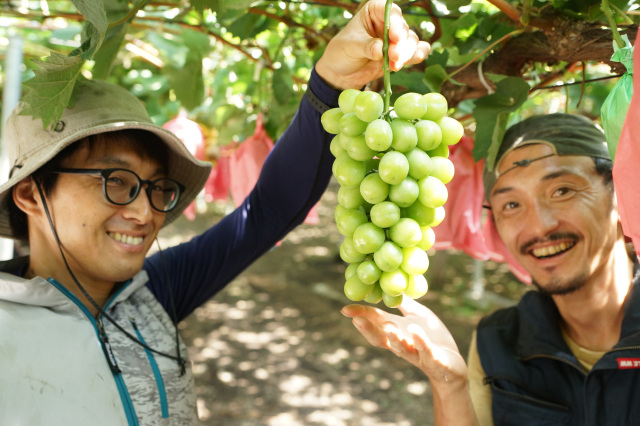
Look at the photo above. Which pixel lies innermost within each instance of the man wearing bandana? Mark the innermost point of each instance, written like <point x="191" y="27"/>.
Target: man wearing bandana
<point x="569" y="352"/>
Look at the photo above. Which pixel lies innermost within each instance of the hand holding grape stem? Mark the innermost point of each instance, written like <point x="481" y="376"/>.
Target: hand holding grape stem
<point x="420" y="338"/>
<point x="354" y="57"/>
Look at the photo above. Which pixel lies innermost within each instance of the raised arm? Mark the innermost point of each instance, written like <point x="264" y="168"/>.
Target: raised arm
<point x="295" y="173"/>
<point x="423" y="340"/>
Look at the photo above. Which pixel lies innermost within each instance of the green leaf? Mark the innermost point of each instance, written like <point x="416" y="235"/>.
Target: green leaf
<point x="198" y="43"/>
<point x="214" y="5"/>
<point x="434" y="76"/>
<point x="281" y="85"/>
<point x="491" y="114"/>
<point x="409" y="81"/>
<point x="188" y="83"/>
<point x="50" y="90"/>
<point x="105" y="57"/>
<point x="438" y="58"/>
<point x="246" y="26"/>
<point x="94" y="28"/>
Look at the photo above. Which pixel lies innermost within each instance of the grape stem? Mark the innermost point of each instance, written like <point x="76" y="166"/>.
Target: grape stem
<point x="385" y="63"/>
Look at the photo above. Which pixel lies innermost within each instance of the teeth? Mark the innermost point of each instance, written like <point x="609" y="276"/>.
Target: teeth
<point x="552" y="250"/>
<point x="127" y="239"/>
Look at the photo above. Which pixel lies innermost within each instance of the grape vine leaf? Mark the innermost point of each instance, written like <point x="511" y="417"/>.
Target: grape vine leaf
<point x="50" y="91"/>
<point x="491" y="113"/>
<point x="105" y="56"/>
<point x="94" y="29"/>
<point x="188" y="81"/>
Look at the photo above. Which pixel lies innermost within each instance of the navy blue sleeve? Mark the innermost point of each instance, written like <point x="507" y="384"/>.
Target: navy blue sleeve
<point x="293" y="178"/>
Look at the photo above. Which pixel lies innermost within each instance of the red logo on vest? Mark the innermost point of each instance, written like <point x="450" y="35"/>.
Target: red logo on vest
<point x="627" y="363"/>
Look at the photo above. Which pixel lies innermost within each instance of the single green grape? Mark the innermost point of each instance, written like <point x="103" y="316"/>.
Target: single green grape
<point x="349" y="197"/>
<point x="452" y="130"/>
<point x="419" y="163"/>
<point x="373" y="189"/>
<point x="350" y="220"/>
<point x="417" y="286"/>
<point x="393" y="282"/>
<point x="405" y="193"/>
<point x="433" y="193"/>
<point x="388" y="257"/>
<point x="348" y="252"/>
<point x="355" y="289"/>
<point x="378" y="135"/>
<point x="346" y="100"/>
<point x="405" y="137"/>
<point x="375" y="296"/>
<point x="442" y="168"/>
<point x="368" y="272"/>
<point x="368" y="106"/>
<point x="393" y="167"/>
<point x="429" y="135"/>
<point x="351" y="125"/>
<point x="415" y="261"/>
<point x="368" y="238"/>
<point x="410" y="106"/>
<point x="385" y="214"/>
<point x="391" y="301"/>
<point x="437" y="106"/>
<point x="330" y="120"/>
<point x="406" y="232"/>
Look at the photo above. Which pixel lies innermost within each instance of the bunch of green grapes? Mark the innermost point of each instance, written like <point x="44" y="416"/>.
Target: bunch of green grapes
<point x="392" y="168"/>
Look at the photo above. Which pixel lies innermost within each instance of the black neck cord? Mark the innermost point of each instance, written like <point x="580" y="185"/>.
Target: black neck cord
<point x="101" y="312"/>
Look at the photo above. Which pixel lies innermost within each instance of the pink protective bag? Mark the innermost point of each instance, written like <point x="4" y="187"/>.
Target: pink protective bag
<point x="626" y="167"/>
<point x="463" y="228"/>
<point x="246" y="163"/>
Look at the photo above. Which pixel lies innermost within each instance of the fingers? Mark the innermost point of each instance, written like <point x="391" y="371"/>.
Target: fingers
<point x="407" y="52"/>
<point x="372" y="333"/>
<point x="373" y="315"/>
<point x="405" y="48"/>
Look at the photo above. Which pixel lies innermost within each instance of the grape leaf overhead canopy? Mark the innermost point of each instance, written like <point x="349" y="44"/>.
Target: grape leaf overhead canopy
<point x="225" y="62"/>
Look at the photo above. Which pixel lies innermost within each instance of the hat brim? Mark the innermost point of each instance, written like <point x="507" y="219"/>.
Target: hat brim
<point x="183" y="167"/>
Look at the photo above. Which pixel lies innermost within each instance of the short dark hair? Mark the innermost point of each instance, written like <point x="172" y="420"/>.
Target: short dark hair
<point x="145" y="144"/>
<point x="604" y="167"/>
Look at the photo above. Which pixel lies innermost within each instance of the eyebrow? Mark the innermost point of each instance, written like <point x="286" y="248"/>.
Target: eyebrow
<point x="118" y="162"/>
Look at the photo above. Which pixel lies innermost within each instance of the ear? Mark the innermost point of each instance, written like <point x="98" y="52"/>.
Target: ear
<point x="26" y="197"/>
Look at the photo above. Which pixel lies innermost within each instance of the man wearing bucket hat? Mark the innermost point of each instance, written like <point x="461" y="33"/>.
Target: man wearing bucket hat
<point x="87" y="323"/>
<point x="568" y="353"/>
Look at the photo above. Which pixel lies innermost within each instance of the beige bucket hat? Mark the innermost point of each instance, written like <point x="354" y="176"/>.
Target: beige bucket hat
<point x="99" y="107"/>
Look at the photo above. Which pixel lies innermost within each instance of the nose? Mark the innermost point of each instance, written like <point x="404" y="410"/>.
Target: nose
<point x="542" y="219"/>
<point x="140" y="208"/>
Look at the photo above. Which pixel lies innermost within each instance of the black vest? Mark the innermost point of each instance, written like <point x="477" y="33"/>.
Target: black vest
<point x="536" y="380"/>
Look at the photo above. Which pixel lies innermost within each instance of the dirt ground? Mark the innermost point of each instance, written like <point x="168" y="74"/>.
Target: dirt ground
<point x="273" y="348"/>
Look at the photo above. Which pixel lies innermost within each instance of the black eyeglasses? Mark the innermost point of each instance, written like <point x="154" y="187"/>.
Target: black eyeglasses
<point x="122" y="186"/>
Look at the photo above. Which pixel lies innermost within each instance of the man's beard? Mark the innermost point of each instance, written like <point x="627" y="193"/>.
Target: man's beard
<point x="558" y="287"/>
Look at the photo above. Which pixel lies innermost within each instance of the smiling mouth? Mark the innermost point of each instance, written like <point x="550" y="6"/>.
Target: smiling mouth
<point x="550" y="251"/>
<point x="127" y="239"/>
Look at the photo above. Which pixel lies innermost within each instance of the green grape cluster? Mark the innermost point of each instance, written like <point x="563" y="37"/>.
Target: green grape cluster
<point x="392" y="168"/>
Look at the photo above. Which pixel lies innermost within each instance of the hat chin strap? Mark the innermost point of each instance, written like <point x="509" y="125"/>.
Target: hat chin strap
<point x="101" y="312"/>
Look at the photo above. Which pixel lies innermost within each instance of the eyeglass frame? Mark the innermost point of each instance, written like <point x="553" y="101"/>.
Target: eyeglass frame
<point x="105" y="173"/>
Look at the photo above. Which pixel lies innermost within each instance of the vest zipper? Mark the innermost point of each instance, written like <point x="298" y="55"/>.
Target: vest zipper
<point x="162" y="392"/>
<point x="125" y="398"/>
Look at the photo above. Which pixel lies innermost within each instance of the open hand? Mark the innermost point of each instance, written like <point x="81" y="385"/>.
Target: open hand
<point x="418" y="337"/>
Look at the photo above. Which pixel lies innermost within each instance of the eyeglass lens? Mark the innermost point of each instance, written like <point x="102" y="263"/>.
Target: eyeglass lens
<point x="122" y="186"/>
